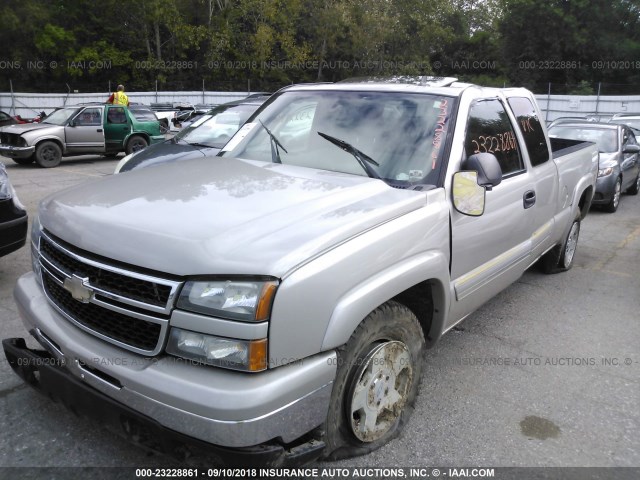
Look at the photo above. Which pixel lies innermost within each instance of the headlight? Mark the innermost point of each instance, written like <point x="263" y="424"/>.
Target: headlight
<point x="244" y="355"/>
<point x="603" y="172"/>
<point x="249" y="301"/>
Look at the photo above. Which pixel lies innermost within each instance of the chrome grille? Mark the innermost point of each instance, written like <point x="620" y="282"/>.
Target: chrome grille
<point x="133" y="288"/>
<point x="124" y="307"/>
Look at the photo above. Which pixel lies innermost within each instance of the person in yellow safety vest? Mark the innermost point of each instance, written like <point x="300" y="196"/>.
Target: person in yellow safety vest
<point x="119" y="97"/>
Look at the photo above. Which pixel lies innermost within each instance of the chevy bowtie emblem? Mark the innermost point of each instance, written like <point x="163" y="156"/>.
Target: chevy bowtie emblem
<point x="78" y="288"/>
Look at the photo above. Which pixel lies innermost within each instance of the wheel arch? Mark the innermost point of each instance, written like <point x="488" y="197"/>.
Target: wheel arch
<point x="584" y="204"/>
<point x="55" y="140"/>
<point x="417" y="283"/>
<point x="144" y="135"/>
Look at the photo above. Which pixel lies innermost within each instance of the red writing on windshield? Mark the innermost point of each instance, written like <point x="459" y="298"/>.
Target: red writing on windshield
<point x="439" y="132"/>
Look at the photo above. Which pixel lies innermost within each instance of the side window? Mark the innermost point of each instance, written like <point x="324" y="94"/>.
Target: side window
<point x="632" y="139"/>
<point x="531" y="130"/>
<point x="88" y="117"/>
<point x="116" y="115"/>
<point x="489" y="130"/>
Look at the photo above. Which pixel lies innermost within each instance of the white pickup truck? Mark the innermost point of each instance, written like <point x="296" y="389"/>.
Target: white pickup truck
<point x="276" y="302"/>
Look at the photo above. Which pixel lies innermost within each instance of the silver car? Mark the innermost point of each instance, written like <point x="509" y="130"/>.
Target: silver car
<point x="619" y="165"/>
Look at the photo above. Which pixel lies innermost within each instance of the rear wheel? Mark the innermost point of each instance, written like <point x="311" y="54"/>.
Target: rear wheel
<point x="136" y="143"/>
<point x="377" y="382"/>
<point x="560" y="258"/>
<point x="612" y="206"/>
<point x="48" y="154"/>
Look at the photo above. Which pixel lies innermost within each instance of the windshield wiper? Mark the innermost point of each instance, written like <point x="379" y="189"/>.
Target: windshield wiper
<point x="363" y="159"/>
<point x="196" y="144"/>
<point x="275" y="143"/>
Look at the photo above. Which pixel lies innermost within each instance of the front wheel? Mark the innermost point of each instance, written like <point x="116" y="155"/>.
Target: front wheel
<point x="48" y="154"/>
<point x="136" y="143"/>
<point x="612" y="206"/>
<point x="376" y="383"/>
<point x="560" y="258"/>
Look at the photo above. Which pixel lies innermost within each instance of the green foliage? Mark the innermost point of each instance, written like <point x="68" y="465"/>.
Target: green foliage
<point x="229" y="44"/>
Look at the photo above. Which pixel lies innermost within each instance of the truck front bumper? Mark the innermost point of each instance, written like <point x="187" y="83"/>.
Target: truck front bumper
<point x="16" y="152"/>
<point x="48" y="375"/>
<point x="221" y="407"/>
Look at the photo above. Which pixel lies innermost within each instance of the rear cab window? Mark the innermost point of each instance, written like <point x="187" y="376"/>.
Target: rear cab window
<point x="489" y="130"/>
<point x="531" y="129"/>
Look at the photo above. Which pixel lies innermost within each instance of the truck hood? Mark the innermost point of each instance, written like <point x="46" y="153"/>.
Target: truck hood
<point x="166" y="151"/>
<point x="222" y="215"/>
<point x="22" y="128"/>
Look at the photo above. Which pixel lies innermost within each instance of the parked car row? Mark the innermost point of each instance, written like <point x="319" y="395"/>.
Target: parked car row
<point x="619" y="164"/>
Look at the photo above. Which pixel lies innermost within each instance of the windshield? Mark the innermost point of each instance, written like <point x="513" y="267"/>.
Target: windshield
<point x="217" y="126"/>
<point x="605" y="138"/>
<point x="631" y="122"/>
<point x="398" y="136"/>
<point x="60" y="117"/>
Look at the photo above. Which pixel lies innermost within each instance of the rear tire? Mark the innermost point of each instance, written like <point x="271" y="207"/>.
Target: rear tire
<point x="612" y="206"/>
<point x="136" y="143"/>
<point x="48" y="154"/>
<point x="560" y="258"/>
<point x="377" y="382"/>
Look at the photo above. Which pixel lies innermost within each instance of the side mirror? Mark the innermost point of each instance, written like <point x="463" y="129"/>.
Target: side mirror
<point x="488" y="168"/>
<point x="468" y="196"/>
<point x="631" y="149"/>
<point x="72" y="123"/>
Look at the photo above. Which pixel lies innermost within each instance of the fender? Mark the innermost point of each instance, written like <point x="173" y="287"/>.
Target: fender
<point x="356" y="304"/>
<point x="587" y="181"/>
<point x="52" y="138"/>
<point x="133" y="134"/>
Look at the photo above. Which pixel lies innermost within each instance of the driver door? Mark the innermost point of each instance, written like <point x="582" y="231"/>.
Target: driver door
<point x="84" y="132"/>
<point x="491" y="251"/>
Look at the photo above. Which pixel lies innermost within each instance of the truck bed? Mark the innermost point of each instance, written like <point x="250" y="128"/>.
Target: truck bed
<point x="565" y="146"/>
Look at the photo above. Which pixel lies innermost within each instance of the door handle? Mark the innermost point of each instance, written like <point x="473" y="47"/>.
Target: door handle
<point x="99" y="130"/>
<point x="529" y="199"/>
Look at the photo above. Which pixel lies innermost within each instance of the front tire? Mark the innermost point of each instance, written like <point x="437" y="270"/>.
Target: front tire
<point x="48" y="154"/>
<point x="377" y="382"/>
<point x="612" y="206"/>
<point x="136" y="143"/>
<point x="560" y="258"/>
